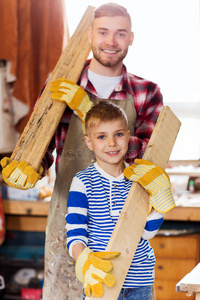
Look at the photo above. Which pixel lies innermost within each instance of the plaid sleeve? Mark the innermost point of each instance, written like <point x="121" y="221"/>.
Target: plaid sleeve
<point x="148" y="102"/>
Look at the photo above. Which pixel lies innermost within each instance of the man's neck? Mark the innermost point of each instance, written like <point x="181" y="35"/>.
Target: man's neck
<point x="98" y="68"/>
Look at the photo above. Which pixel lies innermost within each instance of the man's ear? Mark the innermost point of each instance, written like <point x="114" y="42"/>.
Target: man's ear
<point x="90" y="35"/>
<point x="131" y="39"/>
<point x="88" y="143"/>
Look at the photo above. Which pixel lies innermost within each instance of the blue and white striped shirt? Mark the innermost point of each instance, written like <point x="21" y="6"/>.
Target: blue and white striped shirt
<point x="94" y="205"/>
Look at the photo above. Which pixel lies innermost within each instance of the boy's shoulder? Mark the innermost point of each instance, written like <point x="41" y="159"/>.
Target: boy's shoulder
<point x="87" y="172"/>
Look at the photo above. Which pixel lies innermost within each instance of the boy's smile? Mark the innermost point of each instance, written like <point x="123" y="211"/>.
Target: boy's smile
<point x="109" y="141"/>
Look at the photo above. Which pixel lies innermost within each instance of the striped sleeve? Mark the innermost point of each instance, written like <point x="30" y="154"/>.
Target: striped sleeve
<point x="154" y="221"/>
<point x="76" y="217"/>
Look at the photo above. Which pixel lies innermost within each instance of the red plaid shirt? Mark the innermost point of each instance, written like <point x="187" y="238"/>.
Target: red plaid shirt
<point x="148" y="104"/>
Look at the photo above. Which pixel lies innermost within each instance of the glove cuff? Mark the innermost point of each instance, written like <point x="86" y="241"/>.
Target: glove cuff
<point x="77" y="99"/>
<point x="82" y="258"/>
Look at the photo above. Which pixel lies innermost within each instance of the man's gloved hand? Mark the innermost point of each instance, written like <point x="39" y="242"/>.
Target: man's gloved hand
<point x="155" y="181"/>
<point x="93" y="269"/>
<point x="73" y="95"/>
<point x="19" y="174"/>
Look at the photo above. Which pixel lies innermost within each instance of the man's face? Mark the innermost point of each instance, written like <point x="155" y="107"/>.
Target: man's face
<point x="110" y="38"/>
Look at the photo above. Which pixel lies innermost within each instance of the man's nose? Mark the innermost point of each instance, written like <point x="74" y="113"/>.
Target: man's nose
<point x="110" y="39"/>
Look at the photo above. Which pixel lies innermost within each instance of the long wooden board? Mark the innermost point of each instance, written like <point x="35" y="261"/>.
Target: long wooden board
<point x="44" y="120"/>
<point x="132" y="220"/>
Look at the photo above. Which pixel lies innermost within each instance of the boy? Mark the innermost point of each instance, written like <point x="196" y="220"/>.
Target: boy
<point x="96" y="198"/>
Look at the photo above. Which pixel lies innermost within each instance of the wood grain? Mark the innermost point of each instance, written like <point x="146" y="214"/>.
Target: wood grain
<point x="44" y="120"/>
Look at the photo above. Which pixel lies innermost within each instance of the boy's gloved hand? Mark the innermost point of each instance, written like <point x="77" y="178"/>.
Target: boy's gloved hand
<point x="19" y="174"/>
<point x="155" y="181"/>
<point x="73" y="95"/>
<point x="93" y="269"/>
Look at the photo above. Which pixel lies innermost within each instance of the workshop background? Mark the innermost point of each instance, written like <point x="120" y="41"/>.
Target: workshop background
<point x="166" y="49"/>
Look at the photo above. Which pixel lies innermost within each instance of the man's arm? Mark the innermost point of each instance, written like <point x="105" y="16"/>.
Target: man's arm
<point x="147" y="111"/>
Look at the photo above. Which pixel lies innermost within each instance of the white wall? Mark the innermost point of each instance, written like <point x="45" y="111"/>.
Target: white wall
<point x="166" y="50"/>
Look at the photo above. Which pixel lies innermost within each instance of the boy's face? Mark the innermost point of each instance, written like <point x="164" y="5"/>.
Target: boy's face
<point x="109" y="141"/>
<point x="110" y="38"/>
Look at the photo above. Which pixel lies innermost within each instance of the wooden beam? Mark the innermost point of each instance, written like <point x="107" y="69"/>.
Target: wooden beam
<point x="44" y="120"/>
<point x="132" y="220"/>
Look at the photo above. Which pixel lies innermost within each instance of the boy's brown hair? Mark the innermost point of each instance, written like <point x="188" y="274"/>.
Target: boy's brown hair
<point x="104" y="111"/>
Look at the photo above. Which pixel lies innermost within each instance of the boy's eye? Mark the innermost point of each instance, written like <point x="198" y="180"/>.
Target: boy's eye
<point x="119" y="134"/>
<point x="101" y="137"/>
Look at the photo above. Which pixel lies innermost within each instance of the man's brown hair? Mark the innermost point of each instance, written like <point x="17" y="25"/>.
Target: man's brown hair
<point x="110" y="9"/>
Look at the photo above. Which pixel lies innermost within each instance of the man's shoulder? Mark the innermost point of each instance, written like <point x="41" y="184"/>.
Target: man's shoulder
<point x="135" y="79"/>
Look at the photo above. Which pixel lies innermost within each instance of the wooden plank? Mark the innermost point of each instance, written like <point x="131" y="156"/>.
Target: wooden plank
<point x="44" y="120"/>
<point x="131" y="222"/>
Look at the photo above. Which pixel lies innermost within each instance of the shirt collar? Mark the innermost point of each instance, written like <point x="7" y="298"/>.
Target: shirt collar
<point x="108" y="176"/>
<point x="124" y="85"/>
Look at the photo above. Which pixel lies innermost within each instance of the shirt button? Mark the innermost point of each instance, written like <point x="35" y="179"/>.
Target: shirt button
<point x="115" y="203"/>
<point x="117" y="89"/>
<point x="114" y="195"/>
<point x="114" y="185"/>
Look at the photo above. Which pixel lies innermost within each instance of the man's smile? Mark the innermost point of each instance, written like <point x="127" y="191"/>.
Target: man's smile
<point x="110" y="51"/>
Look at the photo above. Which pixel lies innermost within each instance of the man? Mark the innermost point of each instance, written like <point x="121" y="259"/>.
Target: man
<point x="105" y="76"/>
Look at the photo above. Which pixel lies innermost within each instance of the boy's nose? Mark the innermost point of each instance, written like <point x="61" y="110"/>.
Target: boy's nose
<point x="111" y="142"/>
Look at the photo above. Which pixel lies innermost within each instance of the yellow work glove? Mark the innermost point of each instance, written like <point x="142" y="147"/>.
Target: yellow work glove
<point x="73" y="95"/>
<point x="93" y="269"/>
<point x="19" y="174"/>
<point x="155" y="181"/>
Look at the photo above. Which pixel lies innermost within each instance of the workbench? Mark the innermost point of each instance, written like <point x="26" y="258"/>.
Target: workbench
<point x="190" y="283"/>
<point x="32" y="215"/>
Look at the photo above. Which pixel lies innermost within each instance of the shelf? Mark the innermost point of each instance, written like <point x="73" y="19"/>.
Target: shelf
<point x="25" y="215"/>
<point x="180" y="213"/>
<point x="29" y="208"/>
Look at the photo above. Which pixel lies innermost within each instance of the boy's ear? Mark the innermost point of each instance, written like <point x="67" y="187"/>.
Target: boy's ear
<point x="88" y="143"/>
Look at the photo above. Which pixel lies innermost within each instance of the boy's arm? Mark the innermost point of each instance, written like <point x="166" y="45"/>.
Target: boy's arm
<point x="92" y="269"/>
<point x="154" y="221"/>
<point x="77" y="249"/>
